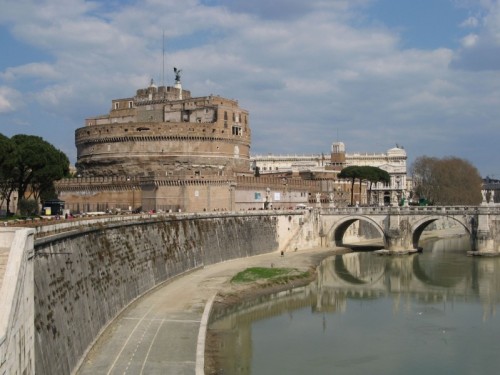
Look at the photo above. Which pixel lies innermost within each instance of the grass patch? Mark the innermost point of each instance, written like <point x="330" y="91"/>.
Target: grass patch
<point x="262" y="273"/>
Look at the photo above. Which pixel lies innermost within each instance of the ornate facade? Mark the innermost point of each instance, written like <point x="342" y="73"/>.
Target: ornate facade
<point x="393" y="161"/>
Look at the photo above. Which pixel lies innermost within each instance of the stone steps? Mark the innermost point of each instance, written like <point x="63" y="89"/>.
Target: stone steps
<point x="4" y="257"/>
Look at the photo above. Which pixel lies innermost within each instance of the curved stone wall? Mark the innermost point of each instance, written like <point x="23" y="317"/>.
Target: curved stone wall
<point x="115" y="149"/>
<point x="84" y="279"/>
<point x="130" y="143"/>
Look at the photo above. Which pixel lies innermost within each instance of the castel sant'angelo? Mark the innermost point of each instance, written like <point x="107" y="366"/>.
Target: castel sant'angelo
<point x="164" y="150"/>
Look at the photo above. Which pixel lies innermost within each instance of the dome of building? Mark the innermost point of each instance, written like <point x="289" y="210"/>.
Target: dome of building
<point x="396" y="151"/>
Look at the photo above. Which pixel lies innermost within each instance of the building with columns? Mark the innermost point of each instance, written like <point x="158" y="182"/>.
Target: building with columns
<point x="328" y="166"/>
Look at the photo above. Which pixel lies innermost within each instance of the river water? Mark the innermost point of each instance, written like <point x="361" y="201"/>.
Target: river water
<point x="429" y="313"/>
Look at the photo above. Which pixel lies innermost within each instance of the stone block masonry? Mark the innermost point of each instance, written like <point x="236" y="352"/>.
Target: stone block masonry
<point x="85" y="278"/>
<point x="16" y="301"/>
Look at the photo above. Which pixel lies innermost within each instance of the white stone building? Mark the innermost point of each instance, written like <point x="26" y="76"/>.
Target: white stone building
<point x="393" y="161"/>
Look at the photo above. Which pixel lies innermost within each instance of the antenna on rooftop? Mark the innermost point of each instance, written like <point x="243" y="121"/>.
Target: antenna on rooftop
<point x="163" y="67"/>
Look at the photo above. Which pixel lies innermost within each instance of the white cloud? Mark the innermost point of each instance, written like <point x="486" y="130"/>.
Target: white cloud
<point x="304" y="70"/>
<point x="469" y="40"/>
<point x="9" y="99"/>
<point x="471" y="22"/>
<point x="33" y="70"/>
<point x="481" y="49"/>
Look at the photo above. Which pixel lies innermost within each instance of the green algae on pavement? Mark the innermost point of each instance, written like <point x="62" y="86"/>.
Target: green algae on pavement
<point x="270" y="274"/>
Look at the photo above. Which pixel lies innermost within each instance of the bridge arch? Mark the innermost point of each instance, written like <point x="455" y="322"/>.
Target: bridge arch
<point x="419" y="226"/>
<point x="349" y="269"/>
<point x="338" y="230"/>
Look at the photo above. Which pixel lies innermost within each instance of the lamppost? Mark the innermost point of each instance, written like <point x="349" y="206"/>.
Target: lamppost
<point x="267" y="202"/>
<point x="286" y="195"/>
<point x="14" y="199"/>
<point x="132" y="208"/>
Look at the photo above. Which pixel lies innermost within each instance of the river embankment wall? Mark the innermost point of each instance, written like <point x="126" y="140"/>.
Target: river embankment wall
<point x="16" y="301"/>
<point x="83" y="279"/>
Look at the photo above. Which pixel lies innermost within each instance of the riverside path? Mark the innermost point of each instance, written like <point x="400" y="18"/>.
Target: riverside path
<point x="159" y="333"/>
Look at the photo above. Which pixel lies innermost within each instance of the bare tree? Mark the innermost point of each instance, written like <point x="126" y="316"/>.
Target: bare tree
<point x="447" y="181"/>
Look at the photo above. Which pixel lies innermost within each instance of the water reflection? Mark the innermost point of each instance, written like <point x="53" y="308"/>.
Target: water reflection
<point x="425" y="303"/>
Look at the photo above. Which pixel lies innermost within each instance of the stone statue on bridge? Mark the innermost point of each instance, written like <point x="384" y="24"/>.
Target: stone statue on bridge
<point x="331" y="198"/>
<point x="404" y="198"/>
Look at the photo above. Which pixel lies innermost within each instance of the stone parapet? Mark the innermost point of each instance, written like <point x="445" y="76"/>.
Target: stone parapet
<point x="272" y="182"/>
<point x="17" y="340"/>
<point x="86" y="278"/>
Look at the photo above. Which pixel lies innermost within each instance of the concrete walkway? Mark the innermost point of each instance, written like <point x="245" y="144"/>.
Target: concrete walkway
<point x="158" y="334"/>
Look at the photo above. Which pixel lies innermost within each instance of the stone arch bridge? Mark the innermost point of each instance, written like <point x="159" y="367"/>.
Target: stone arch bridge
<point x="401" y="227"/>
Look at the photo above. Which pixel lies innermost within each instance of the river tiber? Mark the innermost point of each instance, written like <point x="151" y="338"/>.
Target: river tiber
<point x="171" y="205"/>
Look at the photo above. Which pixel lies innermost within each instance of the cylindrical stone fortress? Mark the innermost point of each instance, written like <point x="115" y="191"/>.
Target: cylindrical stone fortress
<point x="163" y="131"/>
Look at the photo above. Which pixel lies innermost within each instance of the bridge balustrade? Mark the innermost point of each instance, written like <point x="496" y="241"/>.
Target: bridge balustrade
<point x="402" y="226"/>
<point x="419" y="210"/>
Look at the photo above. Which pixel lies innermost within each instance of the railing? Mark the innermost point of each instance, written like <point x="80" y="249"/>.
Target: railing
<point x="412" y="210"/>
<point x="63" y="226"/>
<point x="47" y="228"/>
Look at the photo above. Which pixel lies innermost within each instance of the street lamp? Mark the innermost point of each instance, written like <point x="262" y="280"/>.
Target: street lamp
<point x="268" y="199"/>
<point x="131" y="208"/>
<point x="232" y="197"/>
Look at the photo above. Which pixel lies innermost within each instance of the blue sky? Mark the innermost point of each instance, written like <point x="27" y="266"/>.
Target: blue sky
<point x="372" y="73"/>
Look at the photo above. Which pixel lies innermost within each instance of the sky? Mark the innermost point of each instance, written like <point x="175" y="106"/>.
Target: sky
<point x="424" y="75"/>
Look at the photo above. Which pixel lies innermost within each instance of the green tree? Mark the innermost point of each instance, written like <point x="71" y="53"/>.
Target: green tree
<point x="55" y="168"/>
<point x="375" y="175"/>
<point x="28" y="207"/>
<point x="447" y="181"/>
<point x="363" y="173"/>
<point x="34" y="163"/>
<point x="6" y="157"/>
<point x="352" y="173"/>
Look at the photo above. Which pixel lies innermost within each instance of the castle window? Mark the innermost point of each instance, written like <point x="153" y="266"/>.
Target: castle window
<point x="130" y="104"/>
<point x="225" y="115"/>
<point x="116" y="105"/>
<point x="236" y="130"/>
